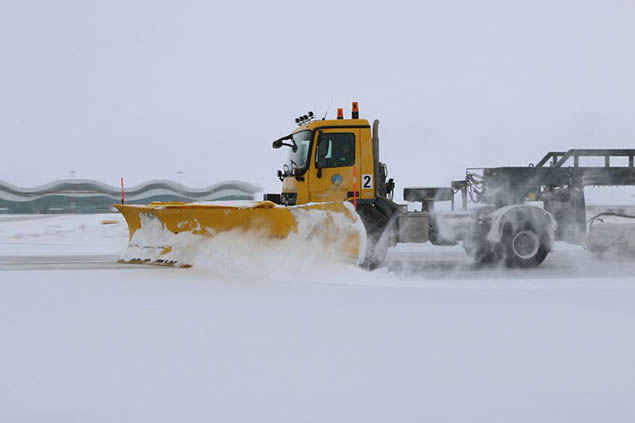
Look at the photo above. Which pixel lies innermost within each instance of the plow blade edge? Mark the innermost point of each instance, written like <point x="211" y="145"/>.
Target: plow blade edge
<point x="174" y="233"/>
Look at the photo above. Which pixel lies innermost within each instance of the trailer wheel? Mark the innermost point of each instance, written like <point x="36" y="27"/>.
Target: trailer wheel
<point x="525" y="246"/>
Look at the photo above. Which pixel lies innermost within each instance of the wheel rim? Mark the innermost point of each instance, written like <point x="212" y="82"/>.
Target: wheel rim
<point x="525" y="244"/>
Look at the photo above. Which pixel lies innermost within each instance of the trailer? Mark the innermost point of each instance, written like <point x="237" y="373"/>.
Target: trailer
<point x="518" y="212"/>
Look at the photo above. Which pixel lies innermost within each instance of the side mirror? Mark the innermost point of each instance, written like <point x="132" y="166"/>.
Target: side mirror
<point x="280" y="142"/>
<point x="322" y="151"/>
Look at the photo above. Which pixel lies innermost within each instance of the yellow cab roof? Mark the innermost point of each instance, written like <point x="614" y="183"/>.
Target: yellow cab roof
<point x="317" y="124"/>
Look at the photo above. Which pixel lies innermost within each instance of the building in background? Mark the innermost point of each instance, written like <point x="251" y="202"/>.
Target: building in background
<point x="88" y="196"/>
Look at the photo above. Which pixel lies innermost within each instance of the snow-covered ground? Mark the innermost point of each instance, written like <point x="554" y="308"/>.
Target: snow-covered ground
<point x="46" y="234"/>
<point x="308" y="342"/>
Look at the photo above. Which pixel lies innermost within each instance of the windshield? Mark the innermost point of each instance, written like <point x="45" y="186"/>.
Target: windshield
<point x="299" y="158"/>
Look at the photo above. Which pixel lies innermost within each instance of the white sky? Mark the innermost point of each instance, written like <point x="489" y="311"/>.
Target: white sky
<point x="143" y="89"/>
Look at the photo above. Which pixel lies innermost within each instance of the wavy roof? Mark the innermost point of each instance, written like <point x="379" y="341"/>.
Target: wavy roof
<point x="86" y="188"/>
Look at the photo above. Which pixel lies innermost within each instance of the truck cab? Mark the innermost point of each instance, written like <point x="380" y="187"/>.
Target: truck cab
<point x="338" y="160"/>
<point x="328" y="160"/>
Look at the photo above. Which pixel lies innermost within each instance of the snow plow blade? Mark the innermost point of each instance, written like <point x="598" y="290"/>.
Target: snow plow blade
<point x="173" y="233"/>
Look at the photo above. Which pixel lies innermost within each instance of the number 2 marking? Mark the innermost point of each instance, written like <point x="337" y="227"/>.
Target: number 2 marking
<point x="367" y="181"/>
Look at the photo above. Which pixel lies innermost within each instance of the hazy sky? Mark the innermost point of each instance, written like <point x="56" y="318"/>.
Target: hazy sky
<point x="143" y="89"/>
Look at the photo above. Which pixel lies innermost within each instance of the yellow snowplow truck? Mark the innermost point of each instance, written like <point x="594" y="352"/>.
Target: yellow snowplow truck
<point x="336" y="191"/>
<point x="338" y="160"/>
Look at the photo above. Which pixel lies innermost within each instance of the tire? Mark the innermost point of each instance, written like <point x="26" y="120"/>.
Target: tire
<point x="524" y="246"/>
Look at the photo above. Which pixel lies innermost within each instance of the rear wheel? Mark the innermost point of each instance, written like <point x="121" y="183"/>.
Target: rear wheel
<point x="524" y="247"/>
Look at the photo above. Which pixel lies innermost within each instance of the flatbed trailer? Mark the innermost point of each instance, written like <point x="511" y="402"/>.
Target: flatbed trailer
<point x="558" y="181"/>
<point x="542" y="202"/>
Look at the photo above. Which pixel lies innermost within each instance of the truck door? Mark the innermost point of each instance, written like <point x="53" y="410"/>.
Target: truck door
<point x="331" y="176"/>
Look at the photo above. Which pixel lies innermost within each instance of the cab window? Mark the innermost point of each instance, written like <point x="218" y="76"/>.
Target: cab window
<point x="341" y="149"/>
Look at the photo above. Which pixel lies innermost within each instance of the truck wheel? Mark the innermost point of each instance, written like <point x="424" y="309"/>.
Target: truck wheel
<point x="524" y="247"/>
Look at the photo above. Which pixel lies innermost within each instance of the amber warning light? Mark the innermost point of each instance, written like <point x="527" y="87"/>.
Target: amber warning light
<point x="340" y="113"/>
<point x="355" y="114"/>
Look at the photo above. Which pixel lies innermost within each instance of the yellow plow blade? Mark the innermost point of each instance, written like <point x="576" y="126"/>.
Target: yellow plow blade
<point x="174" y="233"/>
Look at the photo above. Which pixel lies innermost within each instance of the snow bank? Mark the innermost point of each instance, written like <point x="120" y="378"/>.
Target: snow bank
<point x="63" y="234"/>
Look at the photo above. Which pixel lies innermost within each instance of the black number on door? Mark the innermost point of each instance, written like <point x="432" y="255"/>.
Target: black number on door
<point x="367" y="181"/>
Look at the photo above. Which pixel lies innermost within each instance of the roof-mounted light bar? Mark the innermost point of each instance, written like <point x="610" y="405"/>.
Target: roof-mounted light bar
<point x="305" y="118"/>
<point x="301" y="120"/>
